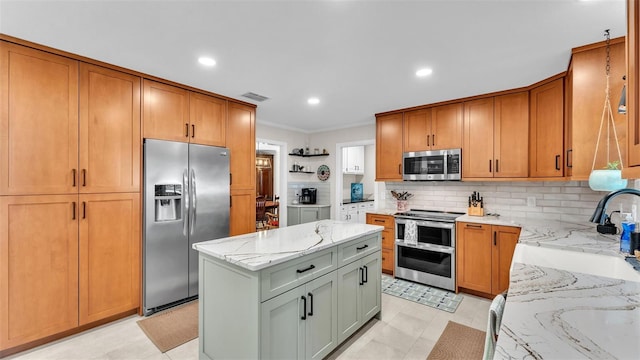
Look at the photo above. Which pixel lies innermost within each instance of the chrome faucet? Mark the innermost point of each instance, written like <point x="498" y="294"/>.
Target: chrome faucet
<point x="600" y="214"/>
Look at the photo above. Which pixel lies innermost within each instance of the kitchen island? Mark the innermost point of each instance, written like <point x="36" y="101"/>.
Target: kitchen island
<point x="571" y="294"/>
<point x="293" y="292"/>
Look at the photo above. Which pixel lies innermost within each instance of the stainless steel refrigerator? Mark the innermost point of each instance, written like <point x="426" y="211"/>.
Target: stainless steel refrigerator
<point x="186" y="200"/>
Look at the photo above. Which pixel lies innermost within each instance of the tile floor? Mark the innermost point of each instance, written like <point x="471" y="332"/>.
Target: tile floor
<point x="407" y="330"/>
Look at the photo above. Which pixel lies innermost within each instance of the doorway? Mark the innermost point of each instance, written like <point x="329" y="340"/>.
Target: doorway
<point x="271" y="175"/>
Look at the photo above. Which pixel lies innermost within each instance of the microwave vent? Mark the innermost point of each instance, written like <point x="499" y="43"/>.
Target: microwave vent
<point x="254" y="96"/>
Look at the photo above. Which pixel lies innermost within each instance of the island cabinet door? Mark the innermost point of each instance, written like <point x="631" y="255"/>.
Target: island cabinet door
<point x="370" y="288"/>
<point x="322" y="316"/>
<point x="349" y="307"/>
<point x="283" y="326"/>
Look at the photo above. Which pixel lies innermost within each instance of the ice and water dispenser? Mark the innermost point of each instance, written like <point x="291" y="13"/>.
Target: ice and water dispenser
<point x="168" y="202"/>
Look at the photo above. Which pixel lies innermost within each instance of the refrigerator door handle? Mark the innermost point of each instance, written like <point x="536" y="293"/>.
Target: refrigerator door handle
<point x="194" y="202"/>
<point x="185" y="201"/>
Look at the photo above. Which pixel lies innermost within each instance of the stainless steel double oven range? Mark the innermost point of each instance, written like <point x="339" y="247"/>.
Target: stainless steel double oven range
<point x="428" y="257"/>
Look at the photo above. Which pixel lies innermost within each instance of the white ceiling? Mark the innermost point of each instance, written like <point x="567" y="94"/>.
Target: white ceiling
<point x="358" y="57"/>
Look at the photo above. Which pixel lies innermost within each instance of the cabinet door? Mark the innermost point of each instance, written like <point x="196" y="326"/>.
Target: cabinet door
<point x="242" y="212"/>
<point x="388" y="262"/>
<point x="477" y="156"/>
<point x="546" y="155"/>
<point x="282" y="327"/>
<point x="473" y="259"/>
<point x="389" y="147"/>
<point x="109" y="255"/>
<point x="353" y="157"/>
<point x="505" y="239"/>
<point x="241" y="141"/>
<point x="633" y="86"/>
<point x="370" y="290"/>
<point x="511" y="135"/>
<point x="322" y="316"/>
<point x="166" y="112"/>
<point x="208" y="117"/>
<point x="349" y="306"/>
<point x="38" y="267"/>
<point x="109" y="130"/>
<point x="417" y="130"/>
<point x="308" y="214"/>
<point x="446" y="127"/>
<point x="38" y="122"/>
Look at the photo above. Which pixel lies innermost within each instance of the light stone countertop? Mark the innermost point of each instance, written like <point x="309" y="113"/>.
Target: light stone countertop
<point x="382" y="211"/>
<point x="559" y="314"/>
<point x="259" y="250"/>
<point x="308" y="205"/>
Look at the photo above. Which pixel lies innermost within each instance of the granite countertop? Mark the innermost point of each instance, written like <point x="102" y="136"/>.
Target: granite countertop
<point x="348" y="201"/>
<point x="561" y="314"/>
<point x="259" y="250"/>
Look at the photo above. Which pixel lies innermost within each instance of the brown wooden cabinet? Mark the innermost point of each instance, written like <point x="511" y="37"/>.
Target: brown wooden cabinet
<point x="546" y="135"/>
<point x="176" y="114"/>
<point x="389" y="147"/>
<point x="109" y="263"/>
<point x="483" y="257"/>
<point x="632" y="170"/>
<point x="495" y="137"/>
<point x="109" y="131"/>
<point x="388" y="240"/>
<point x="241" y="143"/>
<point x="38" y="122"/>
<point x="38" y="267"/>
<point x="208" y="118"/>
<point x="434" y="128"/>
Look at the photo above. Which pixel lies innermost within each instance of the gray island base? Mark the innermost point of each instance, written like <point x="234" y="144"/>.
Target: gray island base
<point x="290" y="293"/>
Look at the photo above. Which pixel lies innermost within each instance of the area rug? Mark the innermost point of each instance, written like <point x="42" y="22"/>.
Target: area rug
<point x="172" y="328"/>
<point x="458" y="342"/>
<point x="422" y="294"/>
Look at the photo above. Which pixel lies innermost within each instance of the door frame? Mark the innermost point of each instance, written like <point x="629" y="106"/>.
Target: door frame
<point x="279" y="163"/>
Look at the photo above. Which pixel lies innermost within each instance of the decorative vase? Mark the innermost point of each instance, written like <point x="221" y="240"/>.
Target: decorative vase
<point x="402" y="205"/>
<point x="607" y="180"/>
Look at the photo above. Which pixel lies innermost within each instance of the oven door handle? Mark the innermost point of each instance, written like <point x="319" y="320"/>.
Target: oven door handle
<point x="437" y="225"/>
<point x="428" y="247"/>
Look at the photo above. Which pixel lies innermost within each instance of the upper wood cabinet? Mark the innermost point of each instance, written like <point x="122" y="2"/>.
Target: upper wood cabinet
<point x="435" y="128"/>
<point x="166" y="112"/>
<point x="588" y="83"/>
<point x="389" y="147"/>
<point x="38" y="122"/>
<point x="208" y="117"/>
<point x="632" y="169"/>
<point x="241" y="141"/>
<point x="546" y="123"/>
<point x="494" y="129"/>
<point x="109" y="131"/>
<point x="38" y="267"/>
<point x="176" y="114"/>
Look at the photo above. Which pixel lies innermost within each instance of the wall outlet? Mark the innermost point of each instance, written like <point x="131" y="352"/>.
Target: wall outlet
<point x="531" y="201"/>
<point x="297" y="193"/>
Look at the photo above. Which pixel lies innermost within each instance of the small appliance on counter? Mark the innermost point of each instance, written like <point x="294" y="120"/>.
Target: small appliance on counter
<point x="308" y="196"/>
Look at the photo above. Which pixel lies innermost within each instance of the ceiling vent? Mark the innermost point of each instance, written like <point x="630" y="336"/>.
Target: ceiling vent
<point x="254" y="96"/>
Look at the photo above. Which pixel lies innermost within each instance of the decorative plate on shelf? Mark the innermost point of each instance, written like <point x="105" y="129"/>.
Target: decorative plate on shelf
<point x="323" y="172"/>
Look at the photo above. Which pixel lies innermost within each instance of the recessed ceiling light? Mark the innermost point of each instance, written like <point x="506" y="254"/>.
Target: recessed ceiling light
<point x="424" y="72"/>
<point x="207" y="61"/>
<point x="313" y="101"/>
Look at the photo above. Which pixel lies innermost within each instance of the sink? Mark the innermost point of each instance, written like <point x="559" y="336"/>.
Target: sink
<point x="582" y="262"/>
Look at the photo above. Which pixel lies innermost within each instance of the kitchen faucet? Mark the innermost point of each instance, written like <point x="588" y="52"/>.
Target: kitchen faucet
<point x="600" y="214"/>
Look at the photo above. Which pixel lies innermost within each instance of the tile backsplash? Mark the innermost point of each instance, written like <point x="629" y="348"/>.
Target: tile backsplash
<point x="567" y="201"/>
<point x="323" y="195"/>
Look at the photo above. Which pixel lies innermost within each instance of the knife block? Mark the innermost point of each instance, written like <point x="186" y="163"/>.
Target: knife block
<point x="475" y="211"/>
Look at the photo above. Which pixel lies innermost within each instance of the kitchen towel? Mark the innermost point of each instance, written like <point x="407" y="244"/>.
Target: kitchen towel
<point x="411" y="232"/>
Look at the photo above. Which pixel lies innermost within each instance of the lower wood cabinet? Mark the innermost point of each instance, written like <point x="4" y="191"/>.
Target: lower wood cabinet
<point x="289" y="333"/>
<point x="483" y="256"/>
<point x="242" y="213"/>
<point x="358" y="294"/>
<point x="66" y="261"/>
<point x="388" y="239"/>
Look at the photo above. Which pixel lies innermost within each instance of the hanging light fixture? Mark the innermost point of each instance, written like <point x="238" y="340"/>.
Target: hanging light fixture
<point x="610" y="178"/>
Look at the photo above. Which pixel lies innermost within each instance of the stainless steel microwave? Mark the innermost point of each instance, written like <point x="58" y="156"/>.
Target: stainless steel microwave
<point x="432" y="165"/>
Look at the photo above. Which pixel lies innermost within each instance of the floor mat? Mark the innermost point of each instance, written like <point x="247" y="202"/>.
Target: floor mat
<point x="422" y="294"/>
